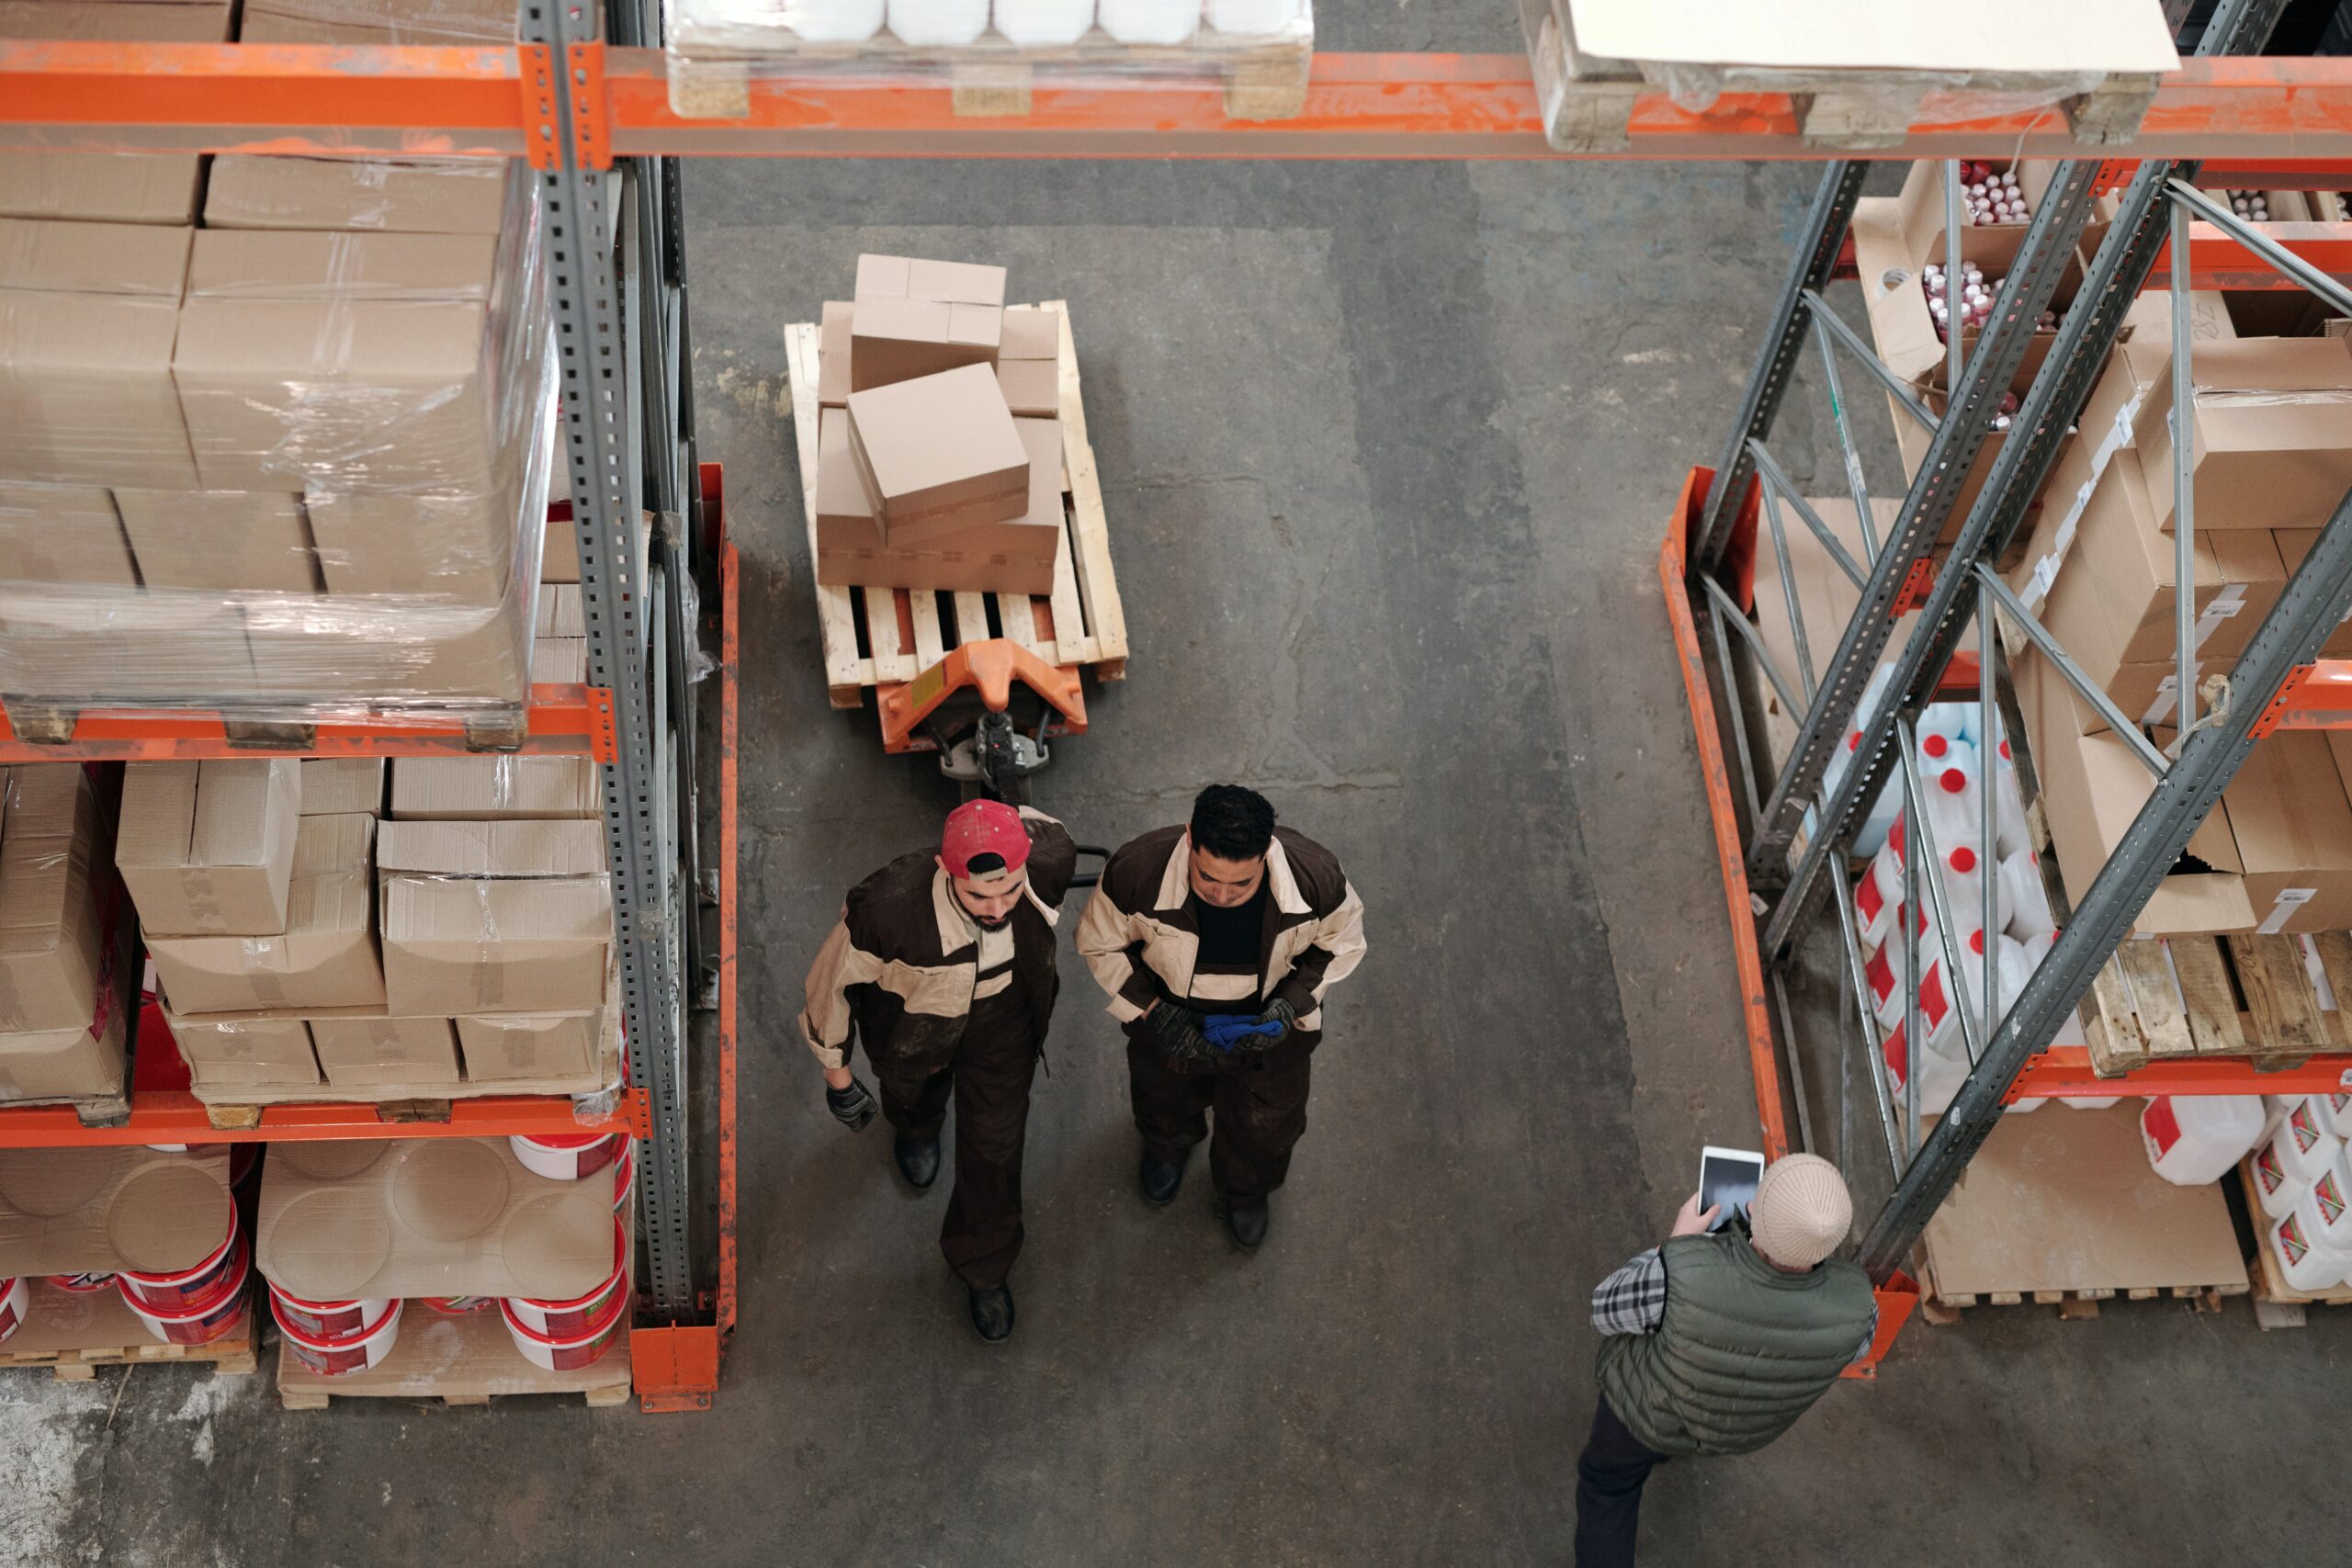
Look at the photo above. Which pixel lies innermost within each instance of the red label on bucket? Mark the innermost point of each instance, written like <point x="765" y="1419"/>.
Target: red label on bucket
<point x="2159" y="1126"/>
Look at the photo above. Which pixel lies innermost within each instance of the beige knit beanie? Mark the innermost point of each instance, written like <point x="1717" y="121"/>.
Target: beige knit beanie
<point x="1801" y="1211"/>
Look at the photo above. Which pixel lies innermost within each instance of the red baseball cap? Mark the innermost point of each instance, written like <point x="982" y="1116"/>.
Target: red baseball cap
<point x="981" y="829"/>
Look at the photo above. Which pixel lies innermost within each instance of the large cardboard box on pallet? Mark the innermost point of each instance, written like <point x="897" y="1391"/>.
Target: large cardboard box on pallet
<point x="938" y="454"/>
<point x="206" y="849"/>
<point x="379" y="23"/>
<point x="364" y="195"/>
<point x="332" y="786"/>
<point x="494" y="916"/>
<point x="2292" y="825"/>
<point x="326" y="957"/>
<point x="383" y="1055"/>
<point x="101" y="187"/>
<point x="222" y="541"/>
<point x="117" y="21"/>
<point x="67" y="535"/>
<point x="494" y="789"/>
<point x="104" y="1210"/>
<point x="523" y="1047"/>
<point x="914" y="318"/>
<point x="52" y="939"/>
<point x="2272" y="433"/>
<point x="88" y="316"/>
<point x="1028" y="367"/>
<point x="245" y="1054"/>
<point x="1016" y="556"/>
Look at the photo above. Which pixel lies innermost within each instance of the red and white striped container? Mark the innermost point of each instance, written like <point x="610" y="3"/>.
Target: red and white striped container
<point x="561" y="1318"/>
<point x="623" y="1182"/>
<point x="175" y="1292"/>
<point x="323" y="1320"/>
<point x="201" y="1321"/>
<point x="567" y="1156"/>
<point x="82" y="1284"/>
<point x="569" y="1352"/>
<point x="15" y="1295"/>
<point x="333" y="1355"/>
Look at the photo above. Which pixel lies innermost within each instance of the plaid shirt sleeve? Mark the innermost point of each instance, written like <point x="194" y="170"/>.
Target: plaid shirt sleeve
<point x="1870" y="1336"/>
<point x="1632" y="1300"/>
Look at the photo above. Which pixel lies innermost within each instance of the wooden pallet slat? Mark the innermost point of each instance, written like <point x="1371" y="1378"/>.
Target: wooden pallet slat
<point x="2278" y="996"/>
<point x="2211" y="1006"/>
<point x="75" y="1333"/>
<point x="1098" y="588"/>
<point x="2335" y="950"/>
<point x="2155" y="998"/>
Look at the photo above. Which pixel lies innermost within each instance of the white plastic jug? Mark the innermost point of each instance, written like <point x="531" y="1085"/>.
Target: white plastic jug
<point x="2334" y="1111"/>
<point x="939" y="24"/>
<point x="1034" y="22"/>
<point x="1940" y="1075"/>
<point x="1878" y="893"/>
<point x="835" y="21"/>
<point x="1964" y="885"/>
<point x="1151" y="21"/>
<point x="1254" y="19"/>
<point x="2303" y="1145"/>
<point x="1884" y="974"/>
<point x="2308" y="1263"/>
<point x="2275" y="1188"/>
<point x="2029" y="915"/>
<point x="2192" y="1139"/>
<point x="2008" y="806"/>
<point x="2331" y="1202"/>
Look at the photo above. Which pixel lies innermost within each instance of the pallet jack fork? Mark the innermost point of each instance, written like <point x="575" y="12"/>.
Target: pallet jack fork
<point x="989" y="708"/>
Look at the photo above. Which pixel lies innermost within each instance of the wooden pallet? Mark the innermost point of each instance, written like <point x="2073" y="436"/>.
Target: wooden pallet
<point x="75" y="1333"/>
<point x="2277" y="1304"/>
<point x="888" y="635"/>
<point x="503" y="730"/>
<point x="458" y="1360"/>
<point x="92" y="1111"/>
<point x="2073" y="1305"/>
<point x="2237" y="996"/>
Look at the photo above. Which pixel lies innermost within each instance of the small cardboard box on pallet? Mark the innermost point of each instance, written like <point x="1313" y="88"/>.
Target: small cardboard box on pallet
<point x="101" y="187"/>
<point x="520" y="1046"/>
<point x="1028" y="369"/>
<point x="494" y="916"/>
<point x="334" y="786"/>
<point x="2292" y="823"/>
<point x="832" y="355"/>
<point x="913" y="318"/>
<point x="206" y="849"/>
<point x="446" y="1217"/>
<point x="382" y="1056"/>
<point x="104" y="1210"/>
<point x="68" y="534"/>
<point x="494" y="789"/>
<point x="379" y="23"/>
<point x="2272" y="438"/>
<point x="52" y="939"/>
<point x="245" y="1054"/>
<point x="117" y="21"/>
<point x="938" y="454"/>
<point x="224" y="541"/>
<point x="324" y="958"/>
<point x="1016" y="556"/>
<point x="366" y="195"/>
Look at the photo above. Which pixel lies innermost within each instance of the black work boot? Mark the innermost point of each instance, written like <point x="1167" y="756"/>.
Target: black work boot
<point x="1160" y="1179"/>
<point x="1245" y="1222"/>
<point x="918" y="1162"/>
<point x="992" y="1313"/>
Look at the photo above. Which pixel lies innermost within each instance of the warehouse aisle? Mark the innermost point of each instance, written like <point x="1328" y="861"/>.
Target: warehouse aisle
<point x="1385" y="452"/>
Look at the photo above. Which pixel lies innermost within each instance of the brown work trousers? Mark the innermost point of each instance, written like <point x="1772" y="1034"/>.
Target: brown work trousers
<point x="988" y="1080"/>
<point x="1261" y="1111"/>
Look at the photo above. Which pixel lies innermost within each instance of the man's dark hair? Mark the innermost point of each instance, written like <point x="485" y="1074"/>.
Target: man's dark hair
<point x="1232" y="823"/>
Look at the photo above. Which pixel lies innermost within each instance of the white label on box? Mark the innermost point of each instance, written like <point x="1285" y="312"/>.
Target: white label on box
<point x="2045" y="572"/>
<point x="2227" y="603"/>
<point x="2283" y="909"/>
<point x="2166" y="702"/>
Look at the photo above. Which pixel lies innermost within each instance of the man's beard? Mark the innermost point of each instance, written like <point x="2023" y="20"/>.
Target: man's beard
<point x="995" y="925"/>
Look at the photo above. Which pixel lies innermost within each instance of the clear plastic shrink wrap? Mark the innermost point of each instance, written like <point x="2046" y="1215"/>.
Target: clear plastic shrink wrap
<point x="281" y="471"/>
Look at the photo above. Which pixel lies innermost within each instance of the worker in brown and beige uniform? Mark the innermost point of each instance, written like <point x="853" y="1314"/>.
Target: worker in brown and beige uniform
<point x="1218" y="942"/>
<point x="943" y="966"/>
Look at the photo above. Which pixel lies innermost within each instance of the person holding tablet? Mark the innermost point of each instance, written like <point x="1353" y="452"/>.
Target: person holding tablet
<point x="1716" y="1342"/>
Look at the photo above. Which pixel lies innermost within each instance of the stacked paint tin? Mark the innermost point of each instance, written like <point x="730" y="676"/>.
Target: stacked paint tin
<point x="194" y="1306"/>
<point x="563" y="1336"/>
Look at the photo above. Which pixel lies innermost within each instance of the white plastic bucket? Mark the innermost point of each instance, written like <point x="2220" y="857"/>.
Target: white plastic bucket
<point x="1151" y="21"/>
<point x="2192" y="1139"/>
<point x="567" y="1156"/>
<point x="1034" y="22"/>
<point x="333" y="1355"/>
<point x="563" y="1353"/>
<point x="938" y="24"/>
<point x="624" y="1183"/>
<point x="202" y="1322"/>
<point x="166" y="1293"/>
<point x="323" y="1319"/>
<point x="458" y="1306"/>
<point x="14" y="1298"/>
<point x="834" y="21"/>
<point x="563" y="1318"/>
<point x="2304" y="1146"/>
<point x="2308" y="1264"/>
<point x="82" y="1284"/>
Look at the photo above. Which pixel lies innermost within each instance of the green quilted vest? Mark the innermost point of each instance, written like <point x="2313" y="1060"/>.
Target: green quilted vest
<point x="1743" y="1351"/>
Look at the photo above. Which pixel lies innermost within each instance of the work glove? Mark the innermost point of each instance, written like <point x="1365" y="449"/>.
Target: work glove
<point x="1227" y="1031"/>
<point x="1274" y="1027"/>
<point x="1172" y="1029"/>
<point x="853" y="1107"/>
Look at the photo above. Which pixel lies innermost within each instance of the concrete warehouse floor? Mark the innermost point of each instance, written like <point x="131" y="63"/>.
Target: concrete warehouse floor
<point x="1386" y="451"/>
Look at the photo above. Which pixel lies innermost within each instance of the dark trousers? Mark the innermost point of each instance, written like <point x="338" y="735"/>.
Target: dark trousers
<point x="988" y="1080"/>
<point x="1260" y="1115"/>
<point x="1610" y="1473"/>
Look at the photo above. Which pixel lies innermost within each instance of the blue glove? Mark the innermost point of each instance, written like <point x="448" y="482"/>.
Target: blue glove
<point x="1226" y="1029"/>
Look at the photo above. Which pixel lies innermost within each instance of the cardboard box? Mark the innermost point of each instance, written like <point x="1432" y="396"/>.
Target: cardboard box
<point x="456" y="550"/>
<point x="1031" y="332"/>
<point x="955" y="283"/>
<point x="388" y="650"/>
<point x="101" y="187"/>
<point x="326" y="957"/>
<point x="67" y="1063"/>
<point x="299" y="353"/>
<point x="334" y="786"/>
<point x="832" y="355"/>
<point x="104" y="1210"/>
<point x="2092" y="787"/>
<point x="938" y="454"/>
<point x="2294" y="827"/>
<point x="385" y="1053"/>
<point x="159" y="648"/>
<point x="246" y="1054"/>
<point x="379" y="23"/>
<point x="117" y="21"/>
<point x="1894" y="242"/>
<point x="517" y="1046"/>
<point x="1017" y="555"/>
<point x="63" y="534"/>
<point x="224" y="541"/>
<point x="1032" y="388"/>
<point x="559" y="544"/>
<point x="2293" y="544"/>
<point x="447" y="1217"/>
<point x="560" y="662"/>
<point x="89" y="313"/>
<point x="562" y="613"/>
<point x="494" y="789"/>
<point x="2272" y="443"/>
<point x="206" y="849"/>
<point x="52" y="940"/>
<point x="382" y="196"/>
<point x="893" y="340"/>
<point x="494" y="916"/>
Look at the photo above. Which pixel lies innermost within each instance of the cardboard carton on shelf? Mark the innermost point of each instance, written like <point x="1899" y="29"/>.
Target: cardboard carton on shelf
<point x="370" y="194"/>
<point x="457" y="548"/>
<point x="101" y="187"/>
<point x="88" y="315"/>
<point x="2293" y="544"/>
<point x="334" y="786"/>
<point x="560" y="662"/>
<point x="2092" y="787"/>
<point x="913" y="318"/>
<point x="326" y="957"/>
<point x="2272" y="433"/>
<point x="117" y="21"/>
<point x="518" y="1048"/>
<point x="494" y="789"/>
<point x="383" y="1055"/>
<point x="222" y="541"/>
<point x="494" y="916"/>
<point x="379" y="23"/>
<point x="2292" y="823"/>
<point x="443" y="1217"/>
<point x="938" y="454"/>
<point x="103" y="1210"/>
<point x="1016" y="556"/>
<point x="561" y="611"/>
<point x="206" y="849"/>
<point x="245" y="1054"/>
<point x="52" y="937"/>
<point x="67" y="534"/>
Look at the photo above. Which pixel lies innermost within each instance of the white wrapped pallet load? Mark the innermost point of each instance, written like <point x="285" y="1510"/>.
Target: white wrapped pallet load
<point x="835" y="21"/>
<point x="2192" y="1139"/>
<point x="938" y="24"/>
<point x="1151" y="21"/>
<point x="1255" y="19"/>
<point x="1034" y="23"/>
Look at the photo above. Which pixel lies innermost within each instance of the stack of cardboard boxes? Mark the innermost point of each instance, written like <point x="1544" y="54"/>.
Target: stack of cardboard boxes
<point x="64" y="959"/>
<point x="319" y="932"/>
<point x="940" y="445"/>
<point x="291" y="459"/>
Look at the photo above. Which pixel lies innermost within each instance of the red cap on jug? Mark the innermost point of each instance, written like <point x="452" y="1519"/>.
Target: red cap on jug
<point x="1962" y="858"/>
<point x="1935" y="746"/>
<point x="1952" y="780"/>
